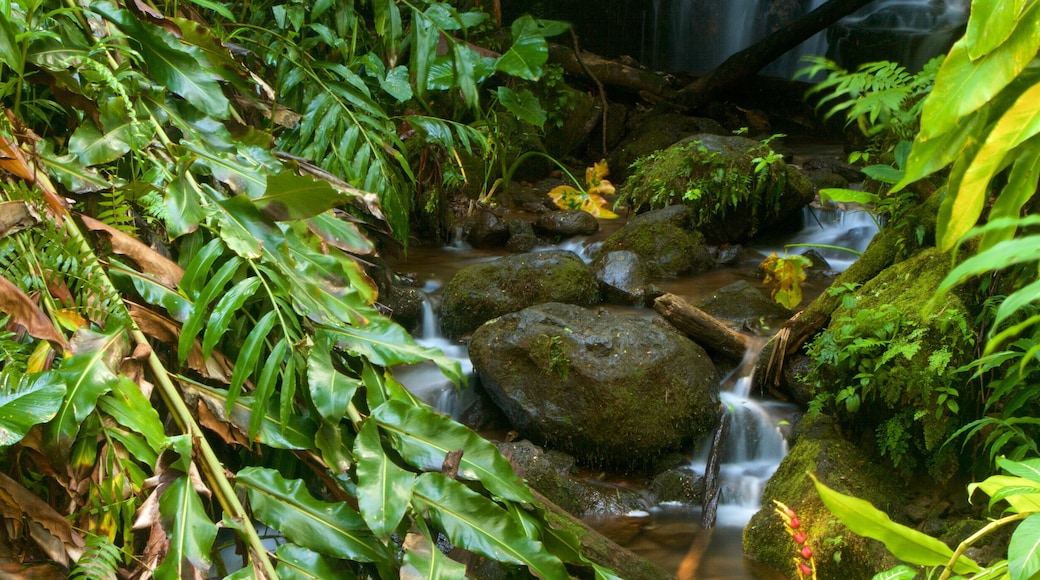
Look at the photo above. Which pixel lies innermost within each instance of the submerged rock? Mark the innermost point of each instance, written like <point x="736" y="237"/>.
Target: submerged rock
<point x="483" y="291"/>
<point x="615" y="390"/>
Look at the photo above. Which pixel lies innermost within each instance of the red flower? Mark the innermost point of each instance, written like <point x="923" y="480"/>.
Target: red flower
<point x="806" y="552"/>
<point x="805" y="570"/>
<point x="799" y="537"/>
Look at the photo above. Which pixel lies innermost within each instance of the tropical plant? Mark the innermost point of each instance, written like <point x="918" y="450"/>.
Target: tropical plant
<point x="786" y="275"/>
<point x="210" y="354"/>
<point x="591" y="200"/>
<point x="1018" y="494"/>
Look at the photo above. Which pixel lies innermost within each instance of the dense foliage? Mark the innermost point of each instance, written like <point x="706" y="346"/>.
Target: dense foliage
<point x="191" y="346"/>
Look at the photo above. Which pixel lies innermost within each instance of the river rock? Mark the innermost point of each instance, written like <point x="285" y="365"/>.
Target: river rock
<point x="614" y="390"/>
<point x="622" y="278"/>
<point x="819" y="448"/>
<point x="735" y="186"/>
<point x="480" y="292"/>
<point x="485" y="230"/>
<point x="521" y="236"/>
<point x="656" y="129"/>
<point x="663" y="241"/>
<point x="567" y="222"/>
<point x="742" y="303"/>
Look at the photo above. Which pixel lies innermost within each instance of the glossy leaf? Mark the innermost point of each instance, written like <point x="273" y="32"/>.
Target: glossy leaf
<point x="990" y="26"/>
<point x="189" y="529"/>
<point x="214" y="287"/>
<point x="290" y="196"/>
<point x="296" y="433"/>
<point x="1002" y="255"/>
<point x="1020" y="501"/>
<point x="384" y="488"/>
<point x="1027" y="469"/>
<point x="529" y="51"/>
<point x="524" y="105"/>
<point x="1024" y="549"/>
<point x="249" y="354"/>
<point x="183" y="205"/>
<point x="424" y="437"/>
<point x="299" y="563"/>
<point x="904" y="543"/>
<point x="386" y="343"/>
<point x="131" y="409"/>
<point x="423" y="560"/>
<point x="340" y="233"/>
<point x="33" y="401"/>
<point x="331" y="391"/>
<point x="333" y="529"/>
<point x="1016" y="193"/>
<point x="270" y="372"/>
<point x="901" y="572"/>
<point x="476" y="523"/>
<point x="94" y="148"/>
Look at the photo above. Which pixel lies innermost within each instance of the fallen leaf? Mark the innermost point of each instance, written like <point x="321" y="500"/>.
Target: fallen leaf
<point x="16" y="216"/>
<point x="25" y="312"/>
<point x="16" y="502"/>
<point x="160" y="267"/>
<point x="168" y="331"/>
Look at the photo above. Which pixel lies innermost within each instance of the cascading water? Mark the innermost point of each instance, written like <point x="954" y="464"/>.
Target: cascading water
<point x="698" y="35"/>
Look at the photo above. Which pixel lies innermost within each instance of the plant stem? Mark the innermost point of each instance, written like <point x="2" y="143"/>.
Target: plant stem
<point x="993" y="525"/>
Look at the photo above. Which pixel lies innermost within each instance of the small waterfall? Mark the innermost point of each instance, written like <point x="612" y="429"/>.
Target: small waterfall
<point x="753" y="448"/>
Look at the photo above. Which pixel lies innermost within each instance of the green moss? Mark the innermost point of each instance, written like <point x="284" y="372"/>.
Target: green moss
<point x="664" y="248"/>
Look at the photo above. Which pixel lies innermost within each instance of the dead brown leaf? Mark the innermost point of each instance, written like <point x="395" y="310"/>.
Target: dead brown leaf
<point x="25" y="312"/>
<point x="16" y="216"/>
<point x="164" y="270"/>
<point x="168" y="331"/>
<point x="47" y="527"/>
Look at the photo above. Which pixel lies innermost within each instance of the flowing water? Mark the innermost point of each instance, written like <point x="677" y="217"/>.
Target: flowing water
<point x="698" y="35"/>
<point x="669" y="534"/>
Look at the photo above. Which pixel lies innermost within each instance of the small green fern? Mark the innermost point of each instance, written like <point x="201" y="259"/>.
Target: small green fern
<point x="100" y="560"/>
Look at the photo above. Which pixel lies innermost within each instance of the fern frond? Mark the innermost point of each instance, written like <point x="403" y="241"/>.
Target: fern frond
<point x="116" y="210"/>
<point x="100" y="560"/>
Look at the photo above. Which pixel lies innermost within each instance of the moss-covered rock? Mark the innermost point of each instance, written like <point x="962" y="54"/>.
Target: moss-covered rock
<point x="735" y="186"/>
<point x="663" y="241"/>
<point x="888" y="361"/>
<point x="613" y="390"/>
<point x="486" y="290"/>
<point x="819" y="448"/>
<point x="653" y="131"/>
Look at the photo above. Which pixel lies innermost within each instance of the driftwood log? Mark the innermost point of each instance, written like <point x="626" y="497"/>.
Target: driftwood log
<point x="609" y="72"/>
<point x="754" y="58"/>
<point x="705" y="330"/>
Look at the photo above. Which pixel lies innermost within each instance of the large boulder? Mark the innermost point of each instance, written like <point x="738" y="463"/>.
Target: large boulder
<point x="820" y="449"/>
<point x="614" y="390"/>
<point x="664" y="242"/>
<point x="483" y="291"/>
<point x="735" y="186"/>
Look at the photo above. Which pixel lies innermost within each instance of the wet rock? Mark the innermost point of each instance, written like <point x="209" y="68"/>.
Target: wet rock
<point x="653" y="131"/>
<point x="485" y="230"/>
<point x="622" y="278"/>
<point x="521" y="236"/>
<point x="794" y="383"/>
<point x="555" y="475"/>
<point x="681" y="485"/>
<point x="742" y="303"/>
<point x="565" y="223"/>
<point x="665" y="247"/>
<point x="850" y="173"/>
<point x="615" y="390"/>
<point x="403" y="304"/>
<point x="728" y="254"/>
<point x="480" y="292"/>
<point x="735" y="186"/>
<point x="822" y="179"/>
<point x="819" y="448"/>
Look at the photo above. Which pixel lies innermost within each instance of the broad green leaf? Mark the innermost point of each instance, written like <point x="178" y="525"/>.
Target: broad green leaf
<point x="1020" y="187"/>
<point x="1020" y="502"/>
<point x="841" y="195"/>
<point x="930" y="155"/>
<point x="230" y="168"/>
<point x="189" y="531"/>
<point x="478" y="524"/>
<point x="900" y="572"/>
<point x="88" y="374"/>
<point x="1019" y="123"/>
<point x="396" y="83"/>
<point x="424" y="437"/>
<point x="131" y="409"/>
<point x="528" y="53"/>
<point x="340" y="233"/>
<point x="465" y="60"/>
<point x="197" y="270"/>
<point x="290" y="196"/>
<point x="333" y="529"/>
<point x="33" y="401"/>
<point x="299" y="563"/>
<point x="1024" y="549"/>
<point x="243" y="228"/>
<point x="225" y="311"/>
<point x="75" y="176"/>
<point x="183" y="209"/>
<point x="884" y="173"/>
<point x="1001" y="255"/>
<point x="990" y="25"/>
<point x="10" y="49"/>
<point x="334" y="442"/>
<point x="963" y="86"/>
<point x="904" y="543"/>
<point x="94" y="148"/>
<point x="524" y="105"/>
<point x="1028" y="469"/>
<point x="386" y="343"/>
<point x="330" y="287"/>
<point x="424" y="561"/>
<point x="153" y="292"/>
<point x="330" y="390"/>
<point x="179" y="67"/>
<point x="384" y="489"/>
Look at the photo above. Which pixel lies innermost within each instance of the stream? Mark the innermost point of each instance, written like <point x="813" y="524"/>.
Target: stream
<point x="669" y="533"/>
